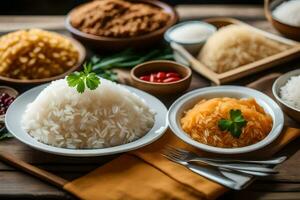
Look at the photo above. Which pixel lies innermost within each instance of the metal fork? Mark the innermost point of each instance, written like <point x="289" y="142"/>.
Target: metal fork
<point x="194" y="157"/>
<point x="253" y="169"/>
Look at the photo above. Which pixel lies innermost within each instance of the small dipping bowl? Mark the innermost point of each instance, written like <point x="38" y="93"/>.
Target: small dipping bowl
<point x="181" y="33"/>
<point x="294" y="113"/>
<point x="11" y="92"/>
<point x="161" y="88"/>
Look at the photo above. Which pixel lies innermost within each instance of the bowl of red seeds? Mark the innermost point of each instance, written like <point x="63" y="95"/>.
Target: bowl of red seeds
<point x="7" y="96"/>
<point x="161" y="77"/>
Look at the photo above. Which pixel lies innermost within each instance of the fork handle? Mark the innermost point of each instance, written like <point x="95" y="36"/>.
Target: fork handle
<point x="238" y="166"/>
<point x="273" y="161"/>
<point x="249" y="168"/>
<point x="262" y="174"/>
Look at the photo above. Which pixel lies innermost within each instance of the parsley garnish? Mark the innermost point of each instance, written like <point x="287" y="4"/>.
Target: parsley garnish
<point x="5" y="135"/>
<point x="83" y="79"/>
<point x="234" y="125"/>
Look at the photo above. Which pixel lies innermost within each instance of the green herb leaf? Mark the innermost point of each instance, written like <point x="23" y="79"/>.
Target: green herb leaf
<point x="5" y="135"/>
<point x="73" y="79"/>
<point x="235" y="130"/>
<point x="235" y="114"/>
<point x="108" y="74"/>
<point x="85" y="79"/>
<point x="87" y="68"/>
<point x="234" y="125"/>
<point x="224" y="124"/>
<point x="80" y="86"/>
<point x="92" y="81"/>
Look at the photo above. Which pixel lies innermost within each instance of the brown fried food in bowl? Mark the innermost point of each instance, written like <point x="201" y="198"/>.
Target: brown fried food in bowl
<point x="113" y="25"/>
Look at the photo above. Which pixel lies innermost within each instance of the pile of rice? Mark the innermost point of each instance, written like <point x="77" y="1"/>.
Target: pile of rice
<point x="235" y="45"/>
<point x="290" y="92"/>
<point x="108" y="116"/>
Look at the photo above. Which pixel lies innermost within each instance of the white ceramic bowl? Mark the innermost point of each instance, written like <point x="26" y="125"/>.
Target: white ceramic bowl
<point x="195" y="46"/>
<point x="17" y="108"/>
<point x="293" y="112"/>
<point x="188" y="100"/>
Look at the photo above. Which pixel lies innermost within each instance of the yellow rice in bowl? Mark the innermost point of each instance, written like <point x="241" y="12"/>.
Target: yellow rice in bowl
<point x="201" y="122"/>
<point x="35" y="54"/>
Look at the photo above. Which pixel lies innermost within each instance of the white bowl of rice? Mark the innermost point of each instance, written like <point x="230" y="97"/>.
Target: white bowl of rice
<point x="110" y="119"/>
<point x="286" y="91"/>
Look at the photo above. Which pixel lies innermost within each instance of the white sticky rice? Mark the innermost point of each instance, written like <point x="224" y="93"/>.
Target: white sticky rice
<point x="108" y="116"/>
<point x="290" y="92"/>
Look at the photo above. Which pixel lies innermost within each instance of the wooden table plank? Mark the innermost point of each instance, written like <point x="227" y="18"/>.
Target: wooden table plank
<point x="17" y="185"/>
<point x="10" y="23"/>
<point x="37" y="189"/>
<point x="249" y="12"/>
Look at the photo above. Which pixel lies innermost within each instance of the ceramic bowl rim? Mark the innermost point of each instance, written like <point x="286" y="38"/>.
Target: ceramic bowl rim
<point x="158" y="129"/>
<point x="81" y="57"/>
<point x="208" y="25"/>
<point x="272" y="8"/>
<point x="278" y="119"/>
<point x="275" y="87"/>
<point x="188" y="76"/>
<point x="164" y="6"/>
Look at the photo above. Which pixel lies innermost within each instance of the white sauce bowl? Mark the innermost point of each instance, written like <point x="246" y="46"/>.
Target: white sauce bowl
<point x="188" y="34"/>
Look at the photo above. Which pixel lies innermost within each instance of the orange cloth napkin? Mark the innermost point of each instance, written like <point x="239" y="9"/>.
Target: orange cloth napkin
<point x="145" y="174"/>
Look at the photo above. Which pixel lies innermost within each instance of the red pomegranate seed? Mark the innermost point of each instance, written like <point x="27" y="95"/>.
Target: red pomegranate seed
<point x="171" y="79"/>
<point x="172" y="74"/>
<point x="152" y="78"/>
<point x="145" y="78"/>
<point x="161" y="75"/>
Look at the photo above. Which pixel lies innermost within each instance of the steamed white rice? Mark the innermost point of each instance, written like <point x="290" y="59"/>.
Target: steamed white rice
<point x="108" y="116"/>
<point x="290" y="92"/>
<point x="233" y="46"/>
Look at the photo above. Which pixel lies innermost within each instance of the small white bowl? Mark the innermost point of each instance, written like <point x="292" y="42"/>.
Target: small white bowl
<point x="293" y="112"/>
<point x="188" y="100"/>
<point x="195" y="46"/>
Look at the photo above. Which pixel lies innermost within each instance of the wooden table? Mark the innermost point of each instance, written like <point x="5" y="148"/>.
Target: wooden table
<point x="17" y="185"/>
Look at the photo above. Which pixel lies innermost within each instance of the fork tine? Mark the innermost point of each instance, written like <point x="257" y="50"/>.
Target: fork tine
<point x="172" y="149"/>
<point x="179" y="150"/>
<point x="169" y="157"/>
<point x="173" y="152"/>
<point x="183" y="154"/>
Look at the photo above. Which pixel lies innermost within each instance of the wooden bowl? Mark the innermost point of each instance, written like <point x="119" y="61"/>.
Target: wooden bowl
<point x="161" y="88"/>
<point x="117" y="44"/>
<point x="292" y="32"/>
<point x="82" y="54"/>
<point x="294" y="113"/>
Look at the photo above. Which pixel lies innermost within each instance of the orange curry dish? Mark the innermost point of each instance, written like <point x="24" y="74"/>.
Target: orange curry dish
<point x="206" y="120"/>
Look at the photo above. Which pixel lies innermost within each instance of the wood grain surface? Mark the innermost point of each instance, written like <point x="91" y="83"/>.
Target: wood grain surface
<point x="18" y="185"/>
